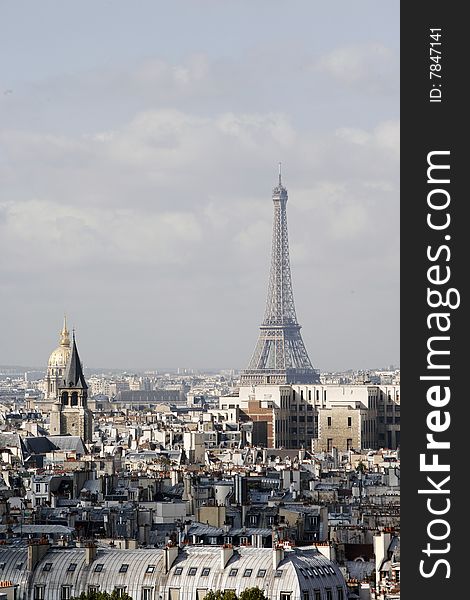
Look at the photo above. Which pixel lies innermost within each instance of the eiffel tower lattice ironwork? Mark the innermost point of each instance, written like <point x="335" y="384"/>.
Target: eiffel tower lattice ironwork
<point x="280" y="356"/>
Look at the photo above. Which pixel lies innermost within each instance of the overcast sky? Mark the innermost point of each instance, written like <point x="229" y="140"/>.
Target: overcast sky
<point x="139" y="144"/>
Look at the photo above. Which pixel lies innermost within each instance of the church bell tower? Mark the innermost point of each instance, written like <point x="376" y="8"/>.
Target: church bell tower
<point x="70" y="414"/>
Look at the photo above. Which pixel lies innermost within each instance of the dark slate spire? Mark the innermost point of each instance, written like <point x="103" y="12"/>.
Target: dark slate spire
<point x="74" y="377"/>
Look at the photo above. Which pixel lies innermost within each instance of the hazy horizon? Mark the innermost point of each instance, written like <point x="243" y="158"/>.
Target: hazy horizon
<point x="140" y="145"/>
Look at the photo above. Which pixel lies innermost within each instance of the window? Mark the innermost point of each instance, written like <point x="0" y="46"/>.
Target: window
<point x="192" y="571"/>
<point x="72" y="567"/>
<point x="174" y="594"/>
<point x="39" y="592"/>
<point x="349" y="444"/>
<point x="38" y="487"/>
<point x="93" y="588"/>
<point x="150" y="569"/>
<point x="261" y="573"/>
<point x="233" y="572"/>
<point x="247" y="572"/>
<point x="278" y="573"/>
<point x="120" y="591"/>
<point x="312" y="522"/>
<point x="329" y="595"/>
<point x="65" y="592"/>
<point x="317" y="594"/>
<point x="340" y="594"/>
<point x="329" y="444"/>
<point x="178" y="570"/>
<point x="47" y="567"/>
<point x="205" y="572"/>
<point x="309" y="572"/>
<point x="305" y="595"/>
<point x="123" y="568"/>
<point x="146" y="593"/>
<point x="349" y="421"/>
<point x="315" y="572"/>
<point x="320" y="570"/>
<point x="243" y="541"/>
<point x="285" y="596"/>
<point x="99" y="567"/>
<point x="213" y="541"/>
<point x="329" y="421"/>
<point x="19" y="566"/>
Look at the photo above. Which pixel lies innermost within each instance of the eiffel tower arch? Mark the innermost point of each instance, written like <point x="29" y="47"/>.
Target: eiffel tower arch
<point x="280" y="356"/>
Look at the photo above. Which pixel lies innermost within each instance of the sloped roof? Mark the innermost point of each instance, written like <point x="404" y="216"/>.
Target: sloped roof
<point x="39" y="445"/>
<point x="70" y="443"/>
<point x="74" y="377"/>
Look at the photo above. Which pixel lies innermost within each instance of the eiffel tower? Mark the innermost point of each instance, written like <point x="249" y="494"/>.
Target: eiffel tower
<point x="280" y="356"/>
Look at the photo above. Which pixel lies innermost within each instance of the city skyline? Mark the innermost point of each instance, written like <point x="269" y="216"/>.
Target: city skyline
<point x="137" y="181"/>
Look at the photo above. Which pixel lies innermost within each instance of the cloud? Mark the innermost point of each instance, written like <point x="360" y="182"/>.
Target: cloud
<point x="40" y="232"/>
<point x="370" y="67"/>
<point x="169" y="186"/>
<point x="384" y="135"/>
<point x="160" y="203"/>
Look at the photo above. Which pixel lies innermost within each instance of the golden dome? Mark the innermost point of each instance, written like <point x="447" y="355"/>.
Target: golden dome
<point x="60" y="356"/>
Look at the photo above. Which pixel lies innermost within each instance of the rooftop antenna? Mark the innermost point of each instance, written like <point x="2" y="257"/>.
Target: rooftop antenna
<point x="280" y="175"/>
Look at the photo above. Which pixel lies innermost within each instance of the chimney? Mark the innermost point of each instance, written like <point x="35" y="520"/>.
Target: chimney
<point x="226" y="553"/>
<point x="36" y="550"/>
<point x="171" y="554"/>
<point x="278" y="556"/>
<point x="90" y="553"/>
<point x="144" y="534"/>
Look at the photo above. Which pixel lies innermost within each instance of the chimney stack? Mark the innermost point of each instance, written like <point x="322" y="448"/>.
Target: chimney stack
<point x="171" y="554"/>
<point x="226" y="553"/>
<point x="278" y="556"/>
<point x="36" y="550"/>
<point x="90" y="553"/>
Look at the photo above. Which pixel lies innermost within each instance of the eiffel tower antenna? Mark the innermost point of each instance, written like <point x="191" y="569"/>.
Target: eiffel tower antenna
<point x="280" y="356"/>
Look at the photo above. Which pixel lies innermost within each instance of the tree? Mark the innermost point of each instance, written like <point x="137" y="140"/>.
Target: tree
<point x="253" y="593"/>
<point x="221" y="595"/>
<point x="102" y="596"/>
